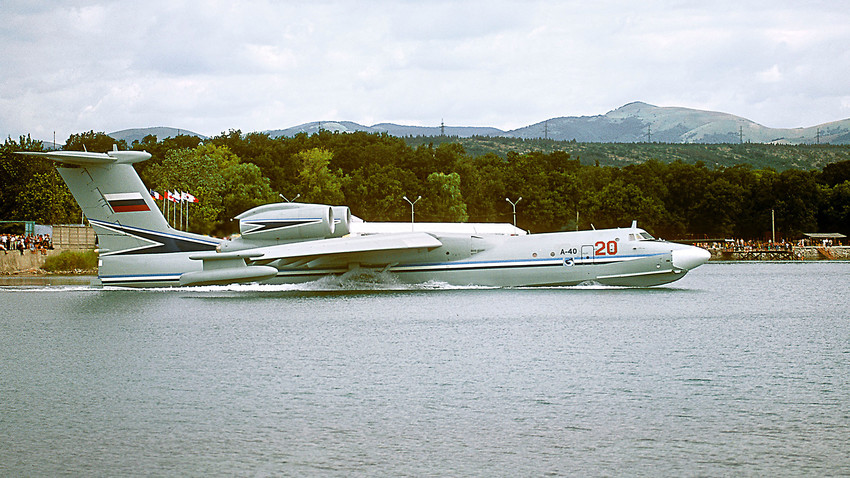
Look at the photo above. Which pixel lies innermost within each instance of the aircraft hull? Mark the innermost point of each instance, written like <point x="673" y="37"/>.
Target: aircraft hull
<point x="651" y="270"/>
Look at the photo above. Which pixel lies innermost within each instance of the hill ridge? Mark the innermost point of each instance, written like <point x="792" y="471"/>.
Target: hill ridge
<point x="634" y="122"/>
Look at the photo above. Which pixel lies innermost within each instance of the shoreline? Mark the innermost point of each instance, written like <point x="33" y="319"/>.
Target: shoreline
<point x="794" y="254"/>
<point x="43" y="273"/>
<point x="29" y="265"/>
<point x="715" y="259"/>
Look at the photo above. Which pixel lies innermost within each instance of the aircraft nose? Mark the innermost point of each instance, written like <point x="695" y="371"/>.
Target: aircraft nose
<point x="690" y="257"/>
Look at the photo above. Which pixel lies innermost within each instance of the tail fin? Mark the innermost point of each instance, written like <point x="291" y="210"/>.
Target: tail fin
<point x="119" y="206"/>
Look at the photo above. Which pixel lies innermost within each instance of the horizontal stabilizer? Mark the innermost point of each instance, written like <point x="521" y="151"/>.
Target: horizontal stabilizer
<point x="84" y="158"/>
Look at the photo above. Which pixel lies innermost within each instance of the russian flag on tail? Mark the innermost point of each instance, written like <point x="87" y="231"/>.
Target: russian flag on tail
<point x="126" y="202"/>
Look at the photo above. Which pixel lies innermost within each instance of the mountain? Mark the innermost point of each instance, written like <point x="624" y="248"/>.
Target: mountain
<point x="161" y="132"/>
<point x="636" y="122"/>
<point x="389" y="128"/>
<point x="316" y="126"/>
<point x="642" y="122"/>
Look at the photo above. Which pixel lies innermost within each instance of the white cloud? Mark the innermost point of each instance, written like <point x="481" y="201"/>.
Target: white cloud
<point x="771" y="75"/>
<point x="211" y="66"/>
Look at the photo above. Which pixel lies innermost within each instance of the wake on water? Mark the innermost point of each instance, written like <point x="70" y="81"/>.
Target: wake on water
<point x="360" y="281"/>
<point x="322" y="285"/>
<point x="357" y="281"/>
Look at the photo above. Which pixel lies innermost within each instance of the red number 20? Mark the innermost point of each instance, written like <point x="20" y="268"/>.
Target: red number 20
<point x="603" y="249"/>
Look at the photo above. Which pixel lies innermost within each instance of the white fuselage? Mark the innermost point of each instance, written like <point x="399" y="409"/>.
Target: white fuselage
<point x="613" y="257"/>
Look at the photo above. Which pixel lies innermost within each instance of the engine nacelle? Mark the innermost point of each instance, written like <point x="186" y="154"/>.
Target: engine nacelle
<point x="342" y="221"/>
<point x="287" y="222"/>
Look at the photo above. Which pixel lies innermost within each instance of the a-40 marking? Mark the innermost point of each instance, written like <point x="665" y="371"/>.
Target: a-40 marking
<point x="602" y="249"/>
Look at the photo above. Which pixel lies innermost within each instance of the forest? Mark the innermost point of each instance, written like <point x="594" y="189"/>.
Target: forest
<point x="683" y="198"/>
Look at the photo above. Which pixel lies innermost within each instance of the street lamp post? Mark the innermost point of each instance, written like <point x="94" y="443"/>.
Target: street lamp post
<point x="513" y="205"/>
<point x="772" y="226"/>
<point x="411" y="209"/>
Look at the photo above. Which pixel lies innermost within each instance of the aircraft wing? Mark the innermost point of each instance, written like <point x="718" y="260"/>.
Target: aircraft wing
<point x="374" y="250"/>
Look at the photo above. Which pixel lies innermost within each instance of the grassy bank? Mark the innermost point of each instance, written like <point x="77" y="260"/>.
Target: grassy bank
<point x="71" y="261"/>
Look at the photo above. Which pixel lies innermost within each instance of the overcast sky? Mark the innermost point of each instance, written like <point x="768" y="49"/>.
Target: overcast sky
<point x="75" y="66"/>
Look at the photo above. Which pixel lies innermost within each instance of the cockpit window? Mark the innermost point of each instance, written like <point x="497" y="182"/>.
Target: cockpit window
<point x="647" y="236"/>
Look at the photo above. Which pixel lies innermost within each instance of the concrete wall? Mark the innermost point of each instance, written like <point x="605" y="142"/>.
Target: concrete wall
<point x="812" y="253"/>
<point x="73" y="236"/>
<point x="13" y="261"/>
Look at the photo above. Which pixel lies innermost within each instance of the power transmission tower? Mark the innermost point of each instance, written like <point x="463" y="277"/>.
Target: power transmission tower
<point x="741" y="134"/>
<point x="442" y="127"/>
<point x="649" y="133"/>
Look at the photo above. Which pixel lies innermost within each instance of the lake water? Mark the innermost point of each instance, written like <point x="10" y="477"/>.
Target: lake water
<point x="737" y="369"/>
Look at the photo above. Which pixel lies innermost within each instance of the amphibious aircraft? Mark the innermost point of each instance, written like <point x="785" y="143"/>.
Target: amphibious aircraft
<point x="297" y="242"/>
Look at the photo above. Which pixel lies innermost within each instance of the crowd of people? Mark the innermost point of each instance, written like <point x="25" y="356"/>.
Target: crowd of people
<point x="741" y="245"/>
<point x="35" y="244"/>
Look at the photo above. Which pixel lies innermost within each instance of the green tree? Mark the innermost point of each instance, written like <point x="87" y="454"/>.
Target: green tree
<point x="317" y="182"/>
<point x="483" y="185"/>
<point x="374" y="192"/>
<point x="618" y="204"/>
<point x="835" y="209"/>
<point x="797" y="200"/>
<point x="94" y="142"/>
<point x="223" y="185"/>
<point x="835" y="173"/>
<point x="527" y="176"/>
<point x="444" y="201"/>
<point x="244" y="188"/>
<point x="30" y="188"/>
<point x="686" y="186"/>
<point x="717" y="210"/>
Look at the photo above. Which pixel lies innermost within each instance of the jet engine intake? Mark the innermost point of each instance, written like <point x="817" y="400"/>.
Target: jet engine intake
<point x="342" y="221"/>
